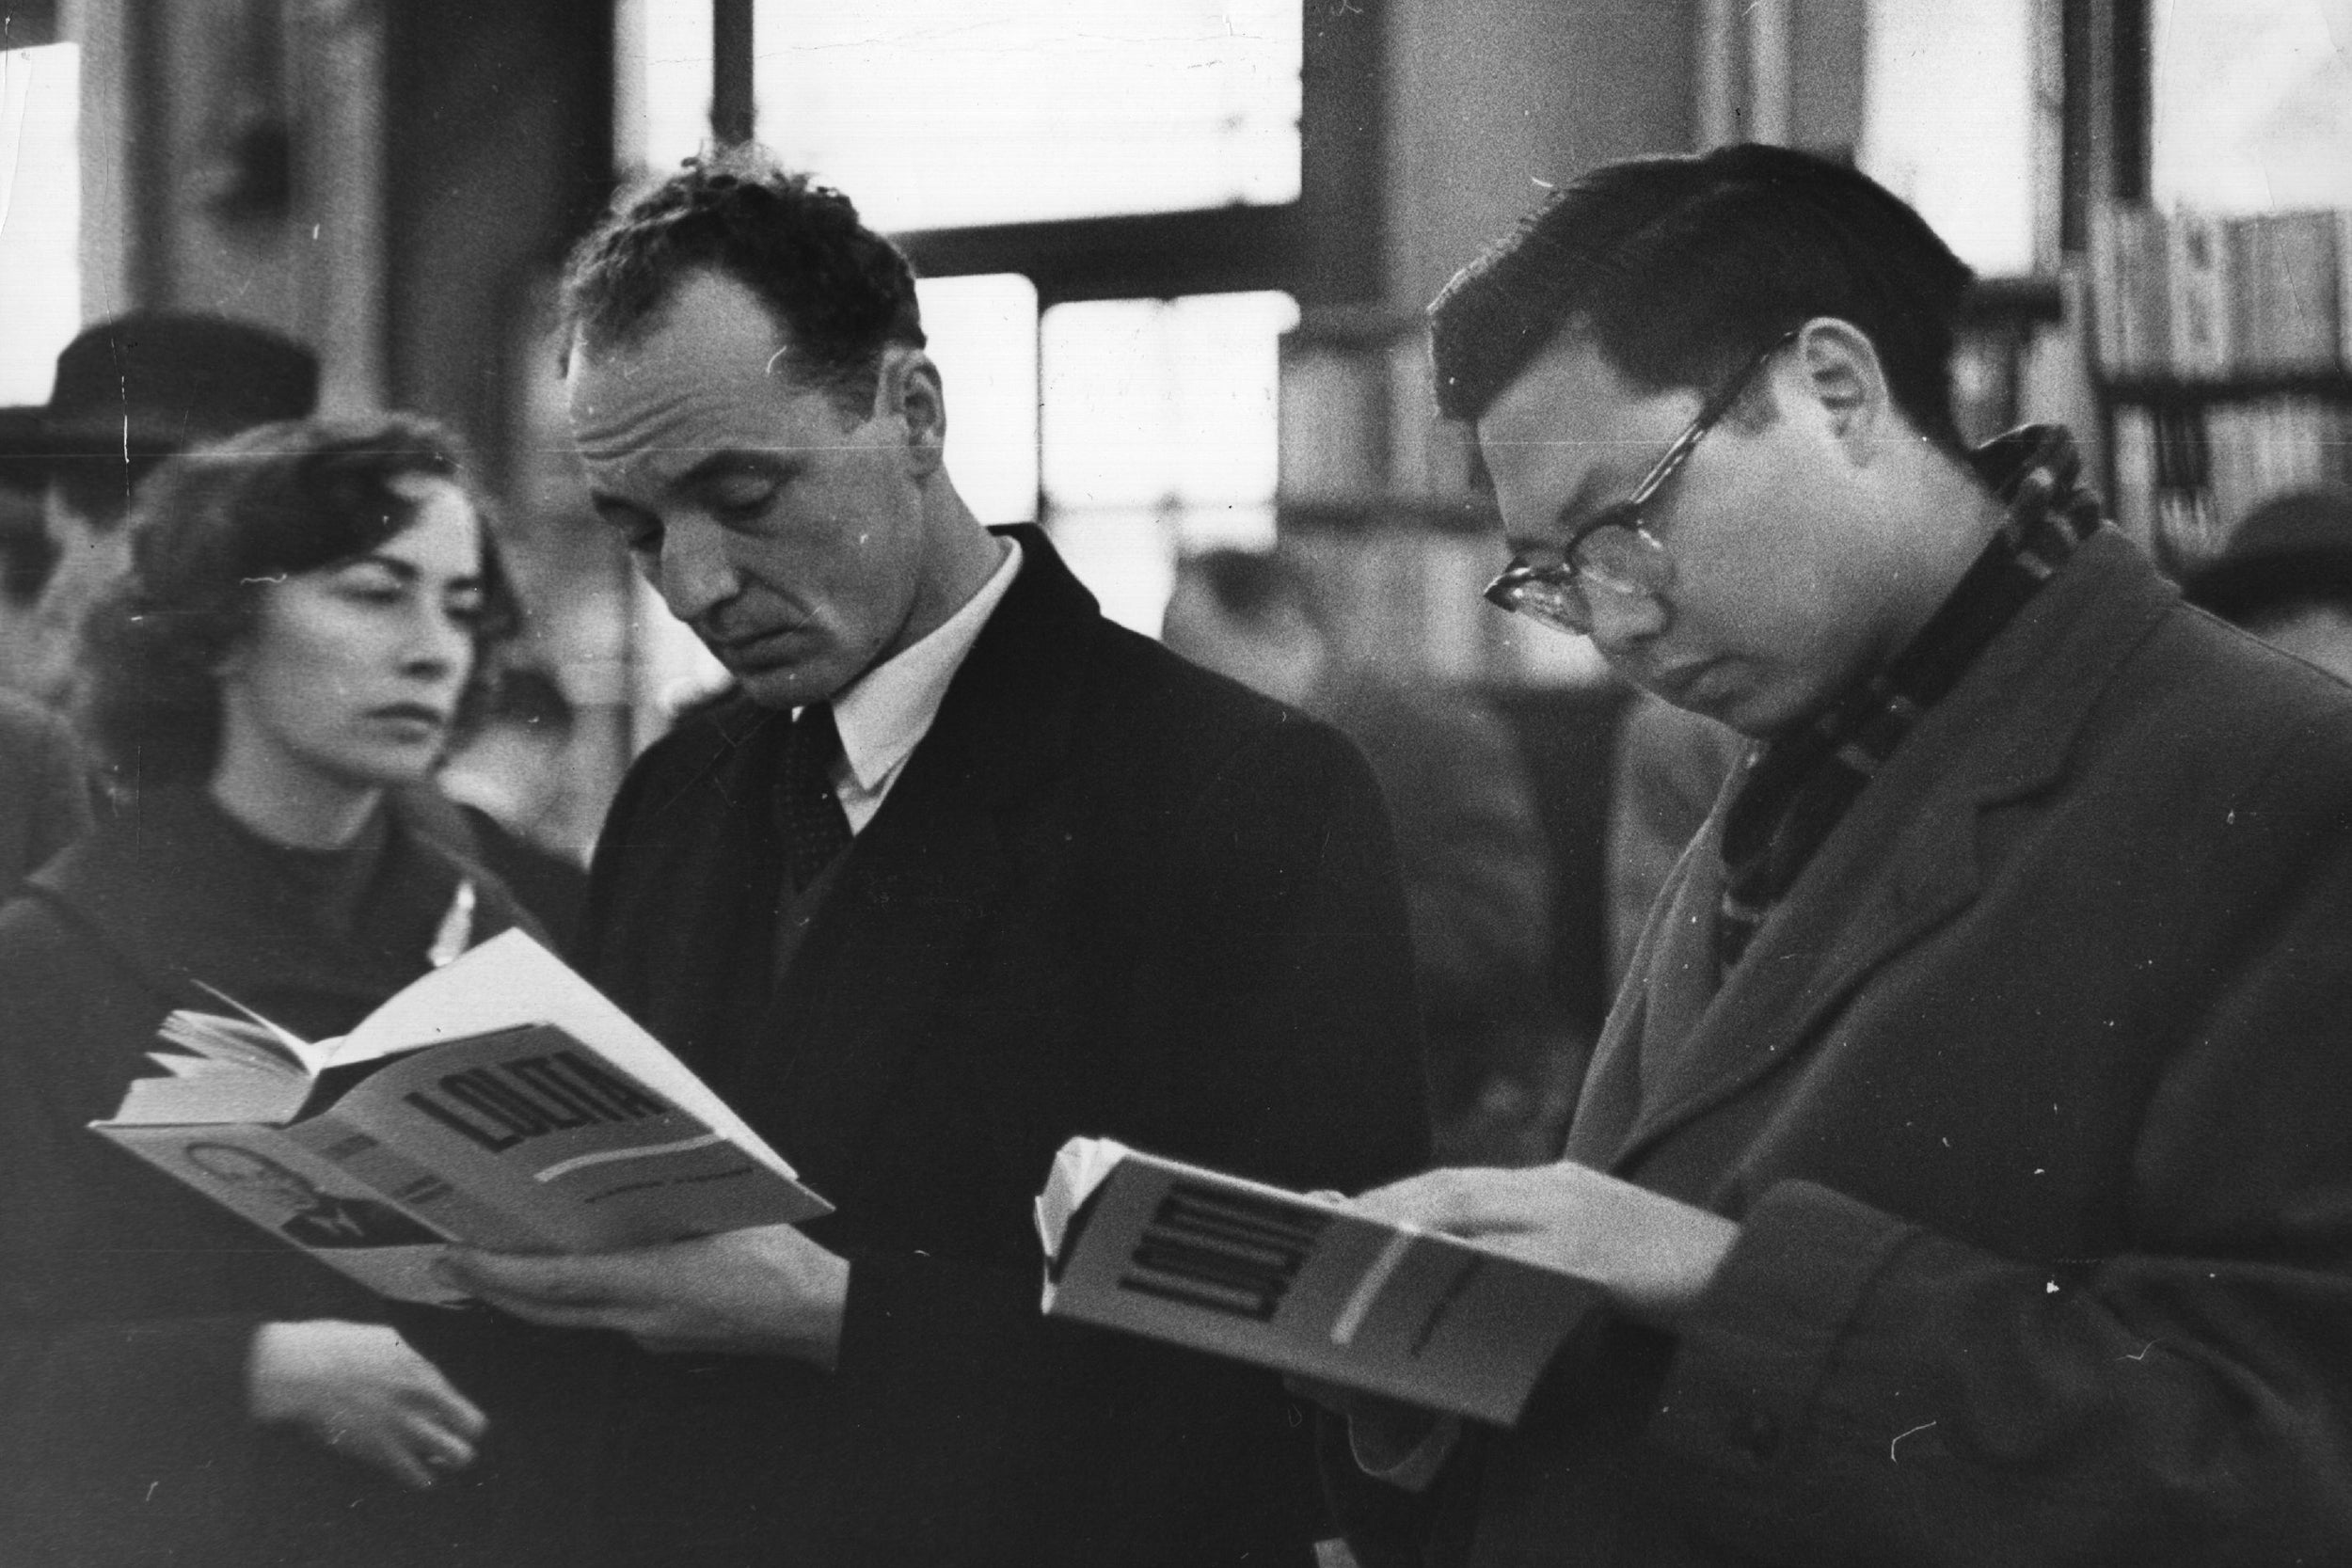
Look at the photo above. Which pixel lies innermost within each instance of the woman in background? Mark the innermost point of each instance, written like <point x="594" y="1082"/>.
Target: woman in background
<point x="304" y="626"/>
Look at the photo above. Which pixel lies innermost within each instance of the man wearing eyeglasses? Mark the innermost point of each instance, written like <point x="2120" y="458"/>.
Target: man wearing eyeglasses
<point x="1963" y="1164"/>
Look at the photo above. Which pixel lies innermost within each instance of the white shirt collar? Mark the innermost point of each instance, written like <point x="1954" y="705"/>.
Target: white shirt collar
<point x="885" y="713"/>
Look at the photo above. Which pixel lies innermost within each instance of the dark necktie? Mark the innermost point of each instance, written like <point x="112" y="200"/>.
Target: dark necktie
<point x="816" y="828"/>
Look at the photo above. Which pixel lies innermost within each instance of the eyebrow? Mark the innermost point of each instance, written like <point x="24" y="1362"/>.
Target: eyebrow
<point x="404" y="570"/>
<point x="1579" y="499"/>
<point x="728" y="460"/>
<point x="710" y="466"/>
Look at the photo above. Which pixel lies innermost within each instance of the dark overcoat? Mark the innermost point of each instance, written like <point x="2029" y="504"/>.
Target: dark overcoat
<point x="1110" y="894"/>
<point x="2031" y="1099"/>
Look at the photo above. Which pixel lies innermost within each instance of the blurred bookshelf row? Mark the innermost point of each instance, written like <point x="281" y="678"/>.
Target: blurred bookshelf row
<point x="2187" y="473"/>
<point x="2192" y="297"/>
<point x="2223" y="355"/>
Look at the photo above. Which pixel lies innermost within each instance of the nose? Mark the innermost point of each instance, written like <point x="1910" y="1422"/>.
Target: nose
<point x="693" y="572"/>
<point x="439" y="645"/>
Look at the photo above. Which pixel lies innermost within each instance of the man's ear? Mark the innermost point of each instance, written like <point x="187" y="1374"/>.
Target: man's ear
<point x="910" y="387"/>
<point x="1840" y="370"/>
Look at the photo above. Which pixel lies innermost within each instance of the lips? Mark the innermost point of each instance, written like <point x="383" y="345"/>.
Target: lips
<point x="410" y="713"/>
<point x="759" y="648"/>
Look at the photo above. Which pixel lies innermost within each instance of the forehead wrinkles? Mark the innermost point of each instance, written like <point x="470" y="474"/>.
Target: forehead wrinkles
<point x="642" y="419"/>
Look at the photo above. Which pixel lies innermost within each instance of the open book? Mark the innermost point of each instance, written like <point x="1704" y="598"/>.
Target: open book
<point x="1237" y="1268"/>
<point x="500" y="1101"/>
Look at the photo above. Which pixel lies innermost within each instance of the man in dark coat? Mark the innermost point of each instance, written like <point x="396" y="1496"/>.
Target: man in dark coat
<point x="1964" y="1161"/>
<point x="960" y="871"/>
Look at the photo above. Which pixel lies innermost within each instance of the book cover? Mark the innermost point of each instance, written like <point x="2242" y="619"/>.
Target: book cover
<point x="1236" y="1268"/>
<point x="500" y="1101"/>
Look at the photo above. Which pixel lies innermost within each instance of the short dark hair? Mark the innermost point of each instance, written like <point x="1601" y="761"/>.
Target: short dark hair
<point x="839" y="292"/>
<point x="212" y="529"/>
<point x="1679" y="268"/>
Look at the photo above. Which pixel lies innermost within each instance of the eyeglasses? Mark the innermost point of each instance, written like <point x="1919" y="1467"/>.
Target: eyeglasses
<point x="1615" y="553"/>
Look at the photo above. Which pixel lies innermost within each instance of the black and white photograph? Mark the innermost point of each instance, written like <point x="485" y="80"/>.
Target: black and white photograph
<point x="1175" y="783"/>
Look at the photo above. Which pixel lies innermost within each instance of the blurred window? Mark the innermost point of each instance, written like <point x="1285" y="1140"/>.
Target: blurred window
<point x="41" y="208"/>
<point x="983" y="338"/>
<point x="1159" y="437"/>
<point x="1953" y="123"/>
<point x="939" y="114"/>
<point x="1141" y="424"/>
<point x="2251" y="105"/>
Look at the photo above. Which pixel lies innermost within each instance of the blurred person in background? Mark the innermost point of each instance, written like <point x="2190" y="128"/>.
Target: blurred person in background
<point x="2286" y="576"/>
<point x="44" y="784"/>
<point x="129" y="393"/>
<point x="507" y="778"/>
<point x="300" y="630"/>
<point x="1477" y="868"/>
<point x="44" y="788"/>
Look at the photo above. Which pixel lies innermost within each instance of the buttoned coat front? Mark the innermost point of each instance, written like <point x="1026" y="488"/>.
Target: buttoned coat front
<point x="2031" y="1100"/>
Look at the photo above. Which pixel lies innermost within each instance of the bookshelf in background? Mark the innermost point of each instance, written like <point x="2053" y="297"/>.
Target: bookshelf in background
<point x="2223" y="348"/>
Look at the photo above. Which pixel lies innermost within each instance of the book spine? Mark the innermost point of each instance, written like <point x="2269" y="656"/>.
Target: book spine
<point x="2136" y="474"/>
<point x="2200" y="278"/>
<point x="2343" y="226"/>
<point x="2114" y="343"/>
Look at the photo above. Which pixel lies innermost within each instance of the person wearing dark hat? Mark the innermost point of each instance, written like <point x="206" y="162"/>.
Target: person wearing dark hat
<point x="130" y="392"/>
<point x="2286" y="576"/>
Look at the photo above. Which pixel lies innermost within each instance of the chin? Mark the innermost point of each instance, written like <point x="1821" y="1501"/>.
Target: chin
<point x="393" y="770"/>
<point x="791" y="685"/>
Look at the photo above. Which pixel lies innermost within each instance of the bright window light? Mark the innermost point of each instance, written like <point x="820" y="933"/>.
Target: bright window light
<point x="2253" y="104"/>
<point x="933" y="114"/>
<point x="662" y="100"/>
<point x="1949" y="123"/>
<point x="40" y="214"/>
<point x="1159" y="437"/>
<point x="1152" y="401"/>
<point x="983" y="339"/>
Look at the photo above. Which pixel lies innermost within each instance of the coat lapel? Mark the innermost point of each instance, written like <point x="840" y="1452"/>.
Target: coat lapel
<point x="880" y="959"/>
<point x="1904" y="862"/>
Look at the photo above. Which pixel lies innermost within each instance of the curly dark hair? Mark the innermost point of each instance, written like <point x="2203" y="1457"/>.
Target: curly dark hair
<point x="839" y="293"/>
<point x="1680" y="268"/>
<point x="212" y="529"/>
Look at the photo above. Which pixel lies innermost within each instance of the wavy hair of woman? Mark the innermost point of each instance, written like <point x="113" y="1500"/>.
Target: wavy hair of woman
<point x="309" y="610"/>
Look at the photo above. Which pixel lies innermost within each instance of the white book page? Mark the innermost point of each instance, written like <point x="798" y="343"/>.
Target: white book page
<point x="1079" y="1167"/>
<point x="511" y="981"/>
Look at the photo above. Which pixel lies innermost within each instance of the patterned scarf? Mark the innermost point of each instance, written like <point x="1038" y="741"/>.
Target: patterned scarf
<point x="1799" y="787"/>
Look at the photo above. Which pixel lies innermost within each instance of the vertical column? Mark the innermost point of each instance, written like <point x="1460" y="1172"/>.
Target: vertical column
<point x="114" y="242"/>
<point x="337" y="49"/>
<point x="1769" y="91"/>
<point x="733" y="113"/>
